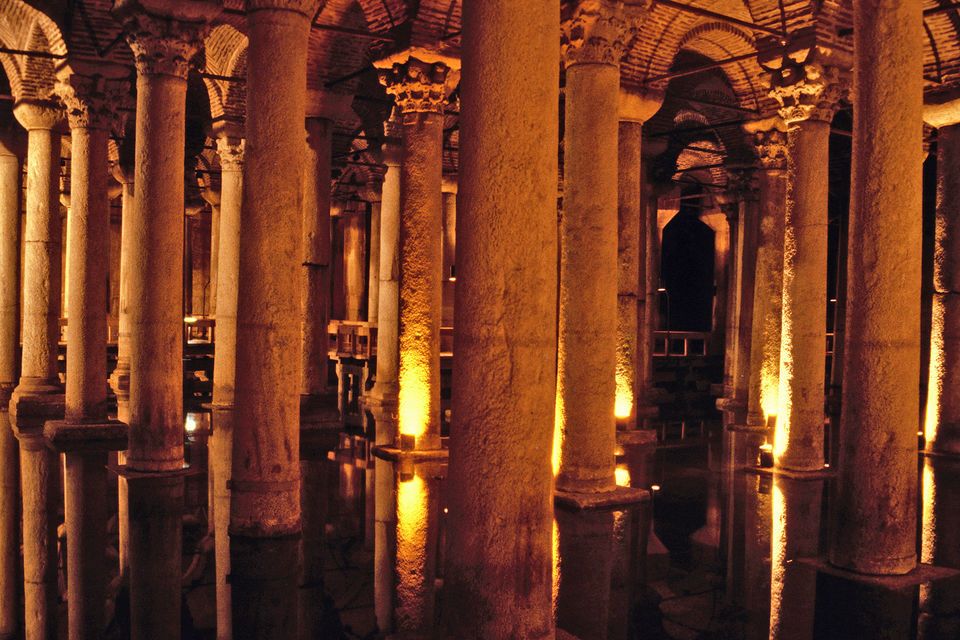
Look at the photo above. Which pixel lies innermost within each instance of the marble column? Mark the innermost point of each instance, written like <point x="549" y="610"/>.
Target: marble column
<point x="808" y="95"/>
<point x="12" y="149"/>
<point x="594" y="40"/>
<point x="230" y="146"/>
<point x="211" y="195"/>
<point x="265" y="488"/>
<point x="38" y="397"/>
<point x="372" y="194"/>
<point x="318" y="401"/>
<point x="942" y="429"/>
<point x="630" y="405"/>
<point x="383" y="397"/>
<point x="418" y="83"/>
<point x="162" y="44"/>
<point x="449" y="274"/>
<point x="770" y="140"/>
<point x="85" y="435"/>
<point x="497" y="582"/>
<point x="353" y="263"/>
<point x="877" y="485"/>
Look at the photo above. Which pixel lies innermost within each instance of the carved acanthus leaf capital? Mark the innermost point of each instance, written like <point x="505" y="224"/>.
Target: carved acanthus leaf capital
<point x="230" y="151"/>
<point x="417" y="86"/>
<point x="809" y="91"/>
<point x="161" y="45"/>
<point x="742" y="184"/>
<point x="91" y="103"/>
<point x="598" y="32"/>
<point x="771" y="146"/>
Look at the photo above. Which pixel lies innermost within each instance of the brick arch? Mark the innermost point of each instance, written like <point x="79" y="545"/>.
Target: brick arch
<point x="225" y="55"/>
<point x="384" y="15"/>
<point x="26" y="28"/>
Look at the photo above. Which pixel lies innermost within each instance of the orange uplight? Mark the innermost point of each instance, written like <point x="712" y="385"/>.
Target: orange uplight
<point x="414" y="396"/>
<point x="558" y="420"/>
<point x="412" y="547"/>
<point x="623" y="405"/>
<point x="622" y="475"/>
<point x="931" y="419"/>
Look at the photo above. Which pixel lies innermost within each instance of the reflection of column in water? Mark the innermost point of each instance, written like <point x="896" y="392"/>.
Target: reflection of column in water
<point x="852" y="609"/>
<point x="314" y="503"/>
<point x="626" y="569"/>
<point x="416" y="560"/>
<point x="584" y="569"/>
<point x="756" y="570"/>
<point x="385" y="543"/>
<point x="369" y="506"/>
<point x="733" y="520"/>
<point x="706" y="540"/>
<point x="795" y="534"/>
<point x="640" y="465"/>
<point x="940" y="545"/>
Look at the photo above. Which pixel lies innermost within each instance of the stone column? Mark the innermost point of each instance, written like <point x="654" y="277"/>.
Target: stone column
<point x="372" y="194"/>
<point x="318" y="401"/>
<point x="449" y="275"/>
<point x="230" y="147"/>
<point x="38" y="395"/>
<point x="808" y="95"/>
<point x="383" y="397"/>
<point x="265" y="487"/>
<point x="354" y="262"/>
<point x="764" y="369"/>
<point x="634" y="110"/>
<point x="594" y="40"/>
<point x="211" y="195"/>
<point x="11" y="152"/>
<point x="647" y="392"/>
<point x="942" y="429"/>
<point x="85" y="435"/>
<point x="163" y="43"/>
<point x="497" y="582"/>
<point x="418" y="83"/>
<point x="877" y="486"/>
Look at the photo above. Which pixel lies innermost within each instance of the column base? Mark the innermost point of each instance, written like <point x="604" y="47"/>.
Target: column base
<point x="637" y="437"/>
<point x="920" y="574"/>
<point x="32" y="408"/>
<point x="81" y="437"/>
<point x="824" y="473"/>
<point x="618" y="497"/>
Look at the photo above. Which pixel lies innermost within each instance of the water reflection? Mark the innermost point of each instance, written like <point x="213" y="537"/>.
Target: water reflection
<point x="940" y="546"/>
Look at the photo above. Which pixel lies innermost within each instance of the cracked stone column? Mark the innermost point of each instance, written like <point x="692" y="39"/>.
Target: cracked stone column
<point x="318" y="400"/>
<point x="942" y="428"/>
<point x="808" y="95"/>
<point x="877" y="485"/>
<point x="38" y="397"/>
<point x="770" y="140"/>
<point x="382" y="398"/>
<point x="265" y="481"/>
<point x="632" y="404"/>
<point x="418" y="81"/>
<point x="12" y="148"/>
<point x="85" y="435"/>
<point x="230" y="146"/>
<point x="449" y="276"/>
<point x="497" y="581"/>
<point x="163" y="38"/>
<point x="594" y="40"/>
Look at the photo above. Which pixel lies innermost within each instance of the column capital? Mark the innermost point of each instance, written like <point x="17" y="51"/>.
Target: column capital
<point x="449" y="185"/>
<point x="598" y="32"/>
<point x="165" y="36"/>
<point x="230" y="150"/>
<point x="942" y="109"/>
<point x="89" y="100"/>
<point x="639" y="105"/>
<point x="809" y="90"/>
<point x="417" y="80"/>
<point x="770" y="142"/>
<point x="38" y="114"/>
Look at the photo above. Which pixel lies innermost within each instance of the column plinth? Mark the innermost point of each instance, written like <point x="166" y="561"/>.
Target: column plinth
<point x="808" y="95"/>
<point x="420" y="89"/>
<point x="877" y="484"/>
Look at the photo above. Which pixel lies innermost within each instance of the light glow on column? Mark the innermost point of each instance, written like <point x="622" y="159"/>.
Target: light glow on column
<point x="414" y="396"/>
<point x="412" y="537"/>
<point x="623" y="405"/>
<point x="931" y="419"/>
<point x="778" y="557"/>
<point x="558" y="422"/>
<point x="928" y="523"/>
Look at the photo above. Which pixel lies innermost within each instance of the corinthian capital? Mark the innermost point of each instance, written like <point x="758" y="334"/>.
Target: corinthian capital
<point x="417" y="81"/>
<point x="164" y="44"/>
<point x="89" y="100"/>
<point x="770" y="142"/>
<point x="809" y="90"/>
<point x="598" y="32"/>
<point x="230" y="151"/>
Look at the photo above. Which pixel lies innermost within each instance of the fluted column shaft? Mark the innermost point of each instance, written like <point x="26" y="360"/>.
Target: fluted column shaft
<point x="37" y="397"/>
<point x="419" y="89"/>
<point x="10" y="190"/>
<point x="943" y="405"/>
<point x="265" y="487"/>
<point x="498" y="574"/>
<point x="878" y="466"/>
<point x="587" y="349"/>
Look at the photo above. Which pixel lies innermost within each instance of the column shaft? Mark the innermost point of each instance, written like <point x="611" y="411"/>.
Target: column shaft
<point x="354" y="262"/>
<point x="498" y="575"/>
<point x="373" y="274"/>
<point x="943" y="404"/>
<point x="878" y="466"/>
<point x="587" y="349"/>
<point x="448" y="275"/>
<point x="630" y="268"/>
<point x="265" y="484"/>
<point x="798" y="442"/>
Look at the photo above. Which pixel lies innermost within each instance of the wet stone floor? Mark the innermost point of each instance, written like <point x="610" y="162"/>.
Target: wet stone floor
<point x="718" y="552"/>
